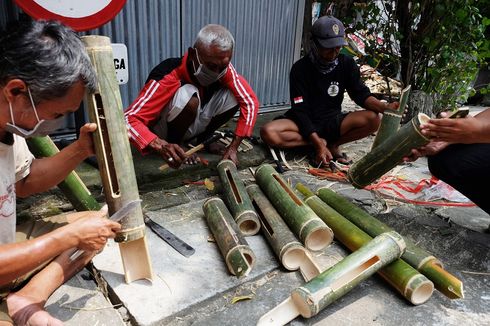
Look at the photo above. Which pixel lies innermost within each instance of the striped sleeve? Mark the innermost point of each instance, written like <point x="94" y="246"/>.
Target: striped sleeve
<point x="146" y="110"/>
<point x="247" y="100"/>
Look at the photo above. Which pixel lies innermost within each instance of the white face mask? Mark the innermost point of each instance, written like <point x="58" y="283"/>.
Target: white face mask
<point x="204" y="75"/>
<point x="42" y="128"/>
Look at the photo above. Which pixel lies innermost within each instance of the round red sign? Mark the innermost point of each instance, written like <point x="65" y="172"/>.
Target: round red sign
<point x="81" y="15"/>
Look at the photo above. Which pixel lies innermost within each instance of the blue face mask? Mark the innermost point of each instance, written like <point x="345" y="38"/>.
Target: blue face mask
<point x="204" y="75"/>
<point x="42" y="128"/>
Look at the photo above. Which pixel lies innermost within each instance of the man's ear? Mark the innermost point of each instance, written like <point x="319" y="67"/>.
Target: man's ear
<point x="13" y="88"/>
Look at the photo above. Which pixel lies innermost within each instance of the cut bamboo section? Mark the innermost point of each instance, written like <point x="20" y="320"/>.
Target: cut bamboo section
<point x="420" y="259"/>
<point x="388" y="154"/>
<point x="238" y="256"/>
<point x="414" y="286"/>
<point x="72" y="187"/>
<point x="237" y="199"/>
<point x="309" y="299"/>
<point x="115" y="160"/>
<point x="304" y="223"/>
<point x="390" y="123"/>
<point x="287" y="248"/>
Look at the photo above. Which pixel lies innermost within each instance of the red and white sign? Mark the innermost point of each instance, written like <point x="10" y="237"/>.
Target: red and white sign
<point x="298" y="100"/>
<point x="81" y="15"/>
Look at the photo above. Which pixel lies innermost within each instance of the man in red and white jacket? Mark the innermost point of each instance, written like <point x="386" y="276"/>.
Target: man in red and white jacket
<point x="189" y="98"/>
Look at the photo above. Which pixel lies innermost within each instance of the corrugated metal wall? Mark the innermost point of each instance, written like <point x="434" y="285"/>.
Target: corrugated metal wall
<point x="267" y="35"/>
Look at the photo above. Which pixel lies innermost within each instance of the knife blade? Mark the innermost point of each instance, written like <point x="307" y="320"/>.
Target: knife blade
<point x="116" y="217"/>
<point x="170" y="238"/>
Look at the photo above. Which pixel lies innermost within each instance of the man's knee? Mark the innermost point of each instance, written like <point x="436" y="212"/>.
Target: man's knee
<point x="192" y="106"/>
<point x="269" y="134"/>
<point x="372" y="120"/>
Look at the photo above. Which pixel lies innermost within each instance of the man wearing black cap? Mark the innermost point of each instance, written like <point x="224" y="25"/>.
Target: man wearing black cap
<point x="317" y="85"/>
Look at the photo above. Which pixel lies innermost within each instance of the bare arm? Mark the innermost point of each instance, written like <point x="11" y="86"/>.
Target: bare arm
<point x="47" y="172"/>
<point x="232" y="149"/>
<point x="89" y="232"/>
<point x="373" y="104"/>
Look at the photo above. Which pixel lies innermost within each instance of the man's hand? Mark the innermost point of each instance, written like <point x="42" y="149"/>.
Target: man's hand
<point x="92" y="230"/>
<point x="172" y="153"/>
<point x="323" y="155"/>
<point x="391" y="106"/>
<point x="462" y="131"/>
<point x="231" y="151"/>
<point x="431" y="148"/>
<point x="85" y="140"/>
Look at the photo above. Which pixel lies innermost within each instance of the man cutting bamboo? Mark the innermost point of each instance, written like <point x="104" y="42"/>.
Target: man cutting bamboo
<point x="187" y="99"/>
<point x="317" y="85"/>
<point x="44" y="71"/>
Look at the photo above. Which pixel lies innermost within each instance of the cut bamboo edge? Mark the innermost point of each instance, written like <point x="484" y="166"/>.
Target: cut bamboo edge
<point x="309" y="299"/>
<point x="414" y="287"/>
<point x="423" y="261"/>
<point x="287" y="248"/>
<point x="304" y="223"/>
<point x="115" y="160"/>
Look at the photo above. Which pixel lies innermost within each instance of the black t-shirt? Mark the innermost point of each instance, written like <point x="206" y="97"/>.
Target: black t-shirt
<point x="316" y="97"/>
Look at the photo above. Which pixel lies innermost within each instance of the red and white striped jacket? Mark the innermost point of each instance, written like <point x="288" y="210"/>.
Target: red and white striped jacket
<point x="164" y="81"/>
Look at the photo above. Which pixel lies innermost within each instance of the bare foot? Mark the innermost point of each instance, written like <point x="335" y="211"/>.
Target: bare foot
<point x="216" y="148"/>
<point x="338" y="156"/>
<point x="28" y="311"/>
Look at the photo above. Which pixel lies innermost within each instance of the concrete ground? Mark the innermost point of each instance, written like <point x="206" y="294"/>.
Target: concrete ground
<point x="199" y="290"/>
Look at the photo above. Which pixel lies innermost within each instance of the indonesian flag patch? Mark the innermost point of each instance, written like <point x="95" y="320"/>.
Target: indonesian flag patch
<point x="298" y="100"/>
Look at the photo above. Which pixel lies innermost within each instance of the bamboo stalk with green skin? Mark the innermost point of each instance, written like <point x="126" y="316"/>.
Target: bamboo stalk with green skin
<point x="72" y="187"/>
<point x="309" y="299"/>
<point x="388" y="154"/>
<point x="238" y="256"/>
<point x="390" y="123"/>
<point x="414" y="286"/>
<point x="237" y="199"/>
<point x="285" y="245"/>
<point x="420" y="259"/>
<point x="304" y="223"/>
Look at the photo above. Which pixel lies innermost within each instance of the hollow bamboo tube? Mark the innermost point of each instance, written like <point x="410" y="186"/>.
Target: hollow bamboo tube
<point x="420" y="259"/>
<point x="304" y="223"/>
<point x="390" y="123"/>
<point x="389" y="153"/>
<point x="72" y="187"/>
<point x="287" y="248"/>
<point x="237" y="199"/>
<point x="238" y="256"/>
<point x="339" y="279"/>
<point x="114" y="158"/>
<point x="414" y="286"/>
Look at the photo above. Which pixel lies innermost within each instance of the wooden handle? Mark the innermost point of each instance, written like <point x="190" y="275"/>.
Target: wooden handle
<point x="189" y="152"/>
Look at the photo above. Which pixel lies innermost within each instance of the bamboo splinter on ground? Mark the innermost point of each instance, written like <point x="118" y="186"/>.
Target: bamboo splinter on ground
<point x="309" y="299"/>
<point x="389" y="153"/>
<point x="420" y="259"/>
<point x="115" y="159"/>
<point x="287" y="248"/>
<point x="237" y="198"/>
<point x="238" y="256"/>
<point x="390" y="123"/>
<point x="414" y="286"/>
<point x="307" y="226"/>
<point x="72" y="187"/>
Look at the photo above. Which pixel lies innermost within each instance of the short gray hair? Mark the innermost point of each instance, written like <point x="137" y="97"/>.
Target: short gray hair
<point x="215" y="35"/>
<point x="48" y="56"/>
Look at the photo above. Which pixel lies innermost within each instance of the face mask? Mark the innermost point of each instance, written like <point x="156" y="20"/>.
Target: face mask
<point x="206" y="76"/>
<point x="42" y="128"/>
<point x="321" y="64"/>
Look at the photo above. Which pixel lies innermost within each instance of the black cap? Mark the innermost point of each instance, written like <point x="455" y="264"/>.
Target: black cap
<point x="329" y="32"/>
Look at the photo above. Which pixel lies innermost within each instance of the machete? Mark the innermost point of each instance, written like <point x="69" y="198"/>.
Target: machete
<point x="167" y="236"/>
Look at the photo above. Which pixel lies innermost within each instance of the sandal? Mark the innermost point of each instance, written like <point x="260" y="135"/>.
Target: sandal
<point x="342" y="159"/>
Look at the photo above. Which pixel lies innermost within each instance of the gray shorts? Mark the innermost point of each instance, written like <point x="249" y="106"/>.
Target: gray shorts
<point x="221" y="101"/>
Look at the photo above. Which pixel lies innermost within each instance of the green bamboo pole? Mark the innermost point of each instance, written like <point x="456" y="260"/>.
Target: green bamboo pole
<point x="420" y="259"/>
<point x="388" y="154"/>
<point x="285" y="245"/>
<point x="115" y="159"/>
<point x="390" y="123"/>
<point x="309" y="299"/>
<point x="238" y="256"/>
<point x="72" y="187"/>
<point x="305" y="224"/>
<point x="237" y="199"/>
<point x="414" y="286"/>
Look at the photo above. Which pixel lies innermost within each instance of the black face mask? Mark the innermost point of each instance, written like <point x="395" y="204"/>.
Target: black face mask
<point x="321" y="64"/>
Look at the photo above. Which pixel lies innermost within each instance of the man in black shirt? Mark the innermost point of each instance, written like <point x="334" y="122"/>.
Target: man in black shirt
<point x="317" y="85"/>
